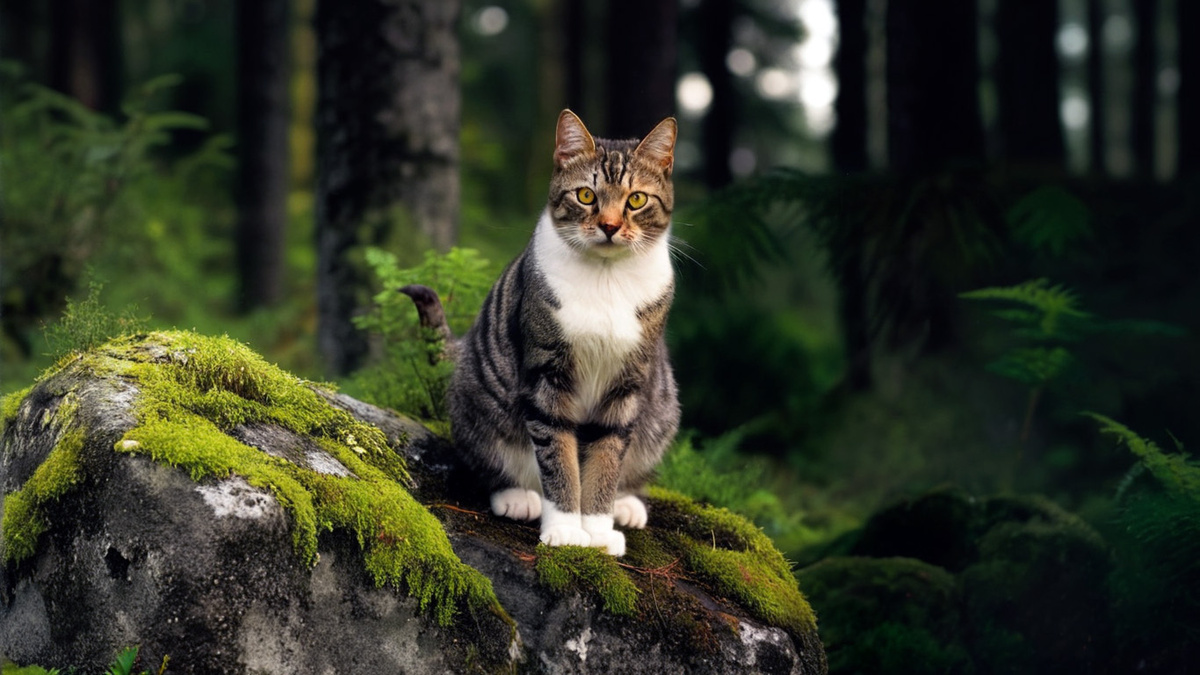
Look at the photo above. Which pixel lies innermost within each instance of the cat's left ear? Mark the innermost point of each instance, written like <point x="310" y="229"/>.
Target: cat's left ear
<point x="659" y="145"/>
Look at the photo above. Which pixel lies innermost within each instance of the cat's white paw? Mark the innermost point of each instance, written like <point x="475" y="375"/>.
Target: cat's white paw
<point x="562" y="528"/>
<point x="629" y="511"/>
<point x="517" y="503"/>
<point x="600" y="527"/>
<point x="565" y="535"/>
<point x="612" y="542"/>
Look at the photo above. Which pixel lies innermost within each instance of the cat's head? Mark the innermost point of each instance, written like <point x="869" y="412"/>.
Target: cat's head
<point x="611" y="198"/>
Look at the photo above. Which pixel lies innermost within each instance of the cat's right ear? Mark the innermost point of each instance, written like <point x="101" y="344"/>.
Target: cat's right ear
<point x="571" y="139"/>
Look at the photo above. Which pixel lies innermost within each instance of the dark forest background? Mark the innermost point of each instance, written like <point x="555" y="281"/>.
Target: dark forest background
<point x="916" y="240"/>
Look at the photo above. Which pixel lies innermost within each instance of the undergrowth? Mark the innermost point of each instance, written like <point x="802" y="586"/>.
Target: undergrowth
<point x="408" y="374"/>
<point x="1156" y="538"/>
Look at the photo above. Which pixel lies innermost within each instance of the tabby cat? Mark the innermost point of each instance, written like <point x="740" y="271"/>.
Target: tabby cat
<point x="563" y="397"/>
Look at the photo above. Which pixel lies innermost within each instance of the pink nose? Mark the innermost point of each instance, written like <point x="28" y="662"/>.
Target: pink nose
<point x="610" y="229"/>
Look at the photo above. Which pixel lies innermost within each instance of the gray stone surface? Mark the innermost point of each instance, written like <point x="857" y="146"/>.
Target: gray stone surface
<point x="140" y="554"/>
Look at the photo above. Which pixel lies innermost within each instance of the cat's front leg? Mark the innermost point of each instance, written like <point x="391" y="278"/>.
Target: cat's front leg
<point x="557" y="454"/>
<point x="600" y="474"/>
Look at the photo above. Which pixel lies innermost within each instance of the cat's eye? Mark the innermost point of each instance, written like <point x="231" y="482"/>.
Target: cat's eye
<point x="585" y="195"/>
<point x="637" y="200"/>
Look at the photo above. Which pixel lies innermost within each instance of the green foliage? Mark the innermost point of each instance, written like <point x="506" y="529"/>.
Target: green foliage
<point x="1178" y="476"/>
<point x="718" y="473"/>
<point x="1041" y="311"/>
<point x="587" y="569"/>
<point x="10" y="668"/>
<point x="412" y="377"/>
<point x="90" y="191"/>
<point x="895" y="244"/>
<point x="1156" y="535"/>
<point x="729" y="237"/>
<point x="1046" y="321"/>
<point x="123" y="663"/>
<point x="88" y="323"/>
<point x="1049" y="219"/>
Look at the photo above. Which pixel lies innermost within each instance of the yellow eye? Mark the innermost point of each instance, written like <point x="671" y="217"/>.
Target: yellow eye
<point x="585" y="195"/>
<point x="637" y="200"/>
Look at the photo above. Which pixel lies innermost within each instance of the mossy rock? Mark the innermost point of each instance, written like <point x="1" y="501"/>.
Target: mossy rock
<point x="936" y="527"/>
<point x="1026" y="583"/>
<point x="175" y="491"/>
<point x="887" y="615"/>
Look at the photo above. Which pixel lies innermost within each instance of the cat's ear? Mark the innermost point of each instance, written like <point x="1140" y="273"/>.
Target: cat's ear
<point x="659" y="145"/>
<point x="571" y="139"/>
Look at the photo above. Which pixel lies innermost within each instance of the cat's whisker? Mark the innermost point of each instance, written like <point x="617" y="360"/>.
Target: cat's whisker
<point x="677" y="252"/>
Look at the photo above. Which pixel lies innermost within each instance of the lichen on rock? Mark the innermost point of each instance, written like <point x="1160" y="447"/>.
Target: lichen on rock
<point x="162" y="477"/>
<point x="194" y="392"/>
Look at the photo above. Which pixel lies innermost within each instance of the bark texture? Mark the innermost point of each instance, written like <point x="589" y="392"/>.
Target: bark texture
<point x="932" y="84"/>
<point x="848" y="146"/>
<point x="263" y="107"/>
<point x="1027" y="82"/>
<point x="388" y="108"/>
<point x="641" y="47"/>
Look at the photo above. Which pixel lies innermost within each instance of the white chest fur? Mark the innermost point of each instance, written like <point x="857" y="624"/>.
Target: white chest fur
<point x="599" y="300"/>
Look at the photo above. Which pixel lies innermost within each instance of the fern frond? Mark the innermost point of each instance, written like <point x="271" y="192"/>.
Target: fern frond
<point x="1032" y="365"/>
<point x="1177" y="475"/>
<point x="1049" y="219"/>
<point x="1052" y="304"/>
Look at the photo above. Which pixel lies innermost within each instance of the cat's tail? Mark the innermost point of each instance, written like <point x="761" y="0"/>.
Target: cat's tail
<point x="433" y="316"/>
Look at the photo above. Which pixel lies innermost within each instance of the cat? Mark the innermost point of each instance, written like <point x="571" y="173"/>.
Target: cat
<point x="563" y="397"/>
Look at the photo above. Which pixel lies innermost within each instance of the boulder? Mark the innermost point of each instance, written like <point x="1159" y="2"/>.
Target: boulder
<point x="956" y="584"/>
<point x="888" y="615"/>
<point x="174" y="491"/>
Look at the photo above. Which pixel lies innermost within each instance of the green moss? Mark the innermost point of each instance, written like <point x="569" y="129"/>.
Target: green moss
<point x="193" y="390"/>
<point x="587" y="569"/>
<point x="726" y="553"/>
<point x="23" y="520"/>
<point x="10" y="404"/>
<point x="883" y="615"/>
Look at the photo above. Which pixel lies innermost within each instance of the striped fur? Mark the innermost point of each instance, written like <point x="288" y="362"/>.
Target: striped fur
<point x="563" y="397"/>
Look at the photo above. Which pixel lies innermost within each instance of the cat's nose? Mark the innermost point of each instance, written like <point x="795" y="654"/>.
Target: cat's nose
<point x="609" y="229"/>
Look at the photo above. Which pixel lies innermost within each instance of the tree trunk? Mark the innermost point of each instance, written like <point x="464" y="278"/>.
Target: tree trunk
<point x="388" y="107"/>
<point x="717" y="129"/>
<point x="641" y="65"/>
<point x="85" y="52"/>
<point x="1027" y="82"/>
<point x="263" y="59"/>
<point x="1188" y="110"/>
<point x="1098" y="133"/>
<point x="932" y="84"/>
<point x="1145" y="81"/>
<point x="849" y="143"/>
<point x="573" y="41"/>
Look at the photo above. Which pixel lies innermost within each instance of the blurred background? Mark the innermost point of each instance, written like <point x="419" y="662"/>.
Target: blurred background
<point x="915" y="240"/>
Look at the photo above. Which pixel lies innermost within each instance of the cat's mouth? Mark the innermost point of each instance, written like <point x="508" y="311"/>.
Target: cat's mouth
<point x="608" y="248"/>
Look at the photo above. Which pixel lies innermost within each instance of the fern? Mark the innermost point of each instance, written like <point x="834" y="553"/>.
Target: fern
<point x="1177" y="475"/>
<point x="1049" y="219"/>
<point x="84" y="189"/>
<point x="1157" y="542"/>
<point x="1044" y="312"/>
<point x="407" y="378"/>
<point x="123" y="664"/>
